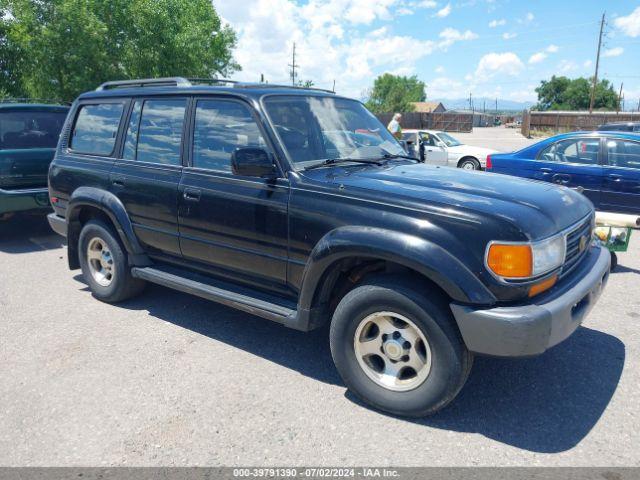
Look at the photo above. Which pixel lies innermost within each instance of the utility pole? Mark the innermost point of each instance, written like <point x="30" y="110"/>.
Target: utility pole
<point x="334" y="86"/>
<point x="620" y="97"/>
<point x="595" y="77"/>
<point x="470" y="104"/>
<point x="293" y="66"/>
<point x="496" y="106"/>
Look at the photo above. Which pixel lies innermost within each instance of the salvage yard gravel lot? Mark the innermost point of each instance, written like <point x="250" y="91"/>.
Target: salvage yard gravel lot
<point x="171" y="379"/>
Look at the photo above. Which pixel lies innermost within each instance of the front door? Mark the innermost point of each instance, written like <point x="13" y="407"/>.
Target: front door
<point x="146" y="178"/>
<point x="621" y="181"/>
<point x="236" y="226"/>
<point x="434" y="151"/>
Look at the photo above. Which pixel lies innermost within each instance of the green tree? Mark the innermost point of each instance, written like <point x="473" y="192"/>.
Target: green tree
<point x="562" y="93"/>
<point x="60" y="48"/>
<point x="393" y="93"/>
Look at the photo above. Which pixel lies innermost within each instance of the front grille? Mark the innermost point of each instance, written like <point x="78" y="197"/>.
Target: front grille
<point x="574" y="253"/>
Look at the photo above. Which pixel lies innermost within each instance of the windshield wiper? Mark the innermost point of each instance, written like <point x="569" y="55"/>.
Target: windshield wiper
<point x="333" y="161"/>
<point x="387" y="156"/>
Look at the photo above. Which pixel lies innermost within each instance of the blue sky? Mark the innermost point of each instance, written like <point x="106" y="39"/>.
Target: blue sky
<point x="492" y="48"/>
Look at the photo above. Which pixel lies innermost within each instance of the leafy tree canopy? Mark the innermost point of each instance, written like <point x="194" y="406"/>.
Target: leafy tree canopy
<point x="59" y="48"/>
<point x="562" y="93"/>
<point x="394" y="93"/>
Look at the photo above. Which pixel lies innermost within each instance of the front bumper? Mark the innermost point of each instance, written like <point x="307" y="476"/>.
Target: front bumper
<point x="546" y="320"/>
<point x="23" y="200"/>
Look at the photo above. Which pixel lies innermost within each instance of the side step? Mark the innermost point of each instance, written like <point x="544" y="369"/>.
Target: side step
<point x="255" y="306"/>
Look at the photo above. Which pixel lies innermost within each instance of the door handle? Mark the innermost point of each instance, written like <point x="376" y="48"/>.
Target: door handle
<point x="118" y="181"/>
<point x="191" y="195"/>
<point x="614" y="177"/>
<point x="546" y="171"/>
<point x="561" y="179"/>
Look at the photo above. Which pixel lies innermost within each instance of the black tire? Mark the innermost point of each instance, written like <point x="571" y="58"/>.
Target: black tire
<point x="614" y="261"/>
<point x="122" y="285"/>
<point x="429" y="311"/>
<point x="469" y="162"/>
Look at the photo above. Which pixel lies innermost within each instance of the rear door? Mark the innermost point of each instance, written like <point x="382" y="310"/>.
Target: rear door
<point x="572" y="162"/>
<point x="28" y="138"/>
<point x="146" y="178"/>
<point x="621" y="182"/>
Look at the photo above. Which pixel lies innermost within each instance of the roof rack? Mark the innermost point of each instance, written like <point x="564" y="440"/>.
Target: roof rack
<point x="189" y="82"/>
<point x="146" y="82"/>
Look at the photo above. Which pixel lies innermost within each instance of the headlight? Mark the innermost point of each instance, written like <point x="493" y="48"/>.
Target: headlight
<point x="525" y="260"/>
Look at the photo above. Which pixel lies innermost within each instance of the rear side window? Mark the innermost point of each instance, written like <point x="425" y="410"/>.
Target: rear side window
<point x="30" y="129"/>
<point x="159" y="132"/>
<point x="623" y="153"/>
<point x="96" y="128"/>
<point x="580" y="150"/>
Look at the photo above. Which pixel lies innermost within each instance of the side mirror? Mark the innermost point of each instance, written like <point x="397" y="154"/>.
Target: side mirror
<point x="252" y="162"/>
<point x="441" y="144"/>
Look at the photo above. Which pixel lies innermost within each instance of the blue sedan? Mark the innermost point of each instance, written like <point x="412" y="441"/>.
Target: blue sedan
<point x="606" y="165"/>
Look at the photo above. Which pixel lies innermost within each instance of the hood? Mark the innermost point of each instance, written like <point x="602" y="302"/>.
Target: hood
<point x="535" y="208"/>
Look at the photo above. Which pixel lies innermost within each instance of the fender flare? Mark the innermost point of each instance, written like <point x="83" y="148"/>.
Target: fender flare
<point x="419" y="254"/>
<point x="113" y="208"/>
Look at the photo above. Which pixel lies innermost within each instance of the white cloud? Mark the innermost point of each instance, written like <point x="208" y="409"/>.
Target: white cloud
<point x="629" y="25"/>
<point x="492" y="64"/>
<point x="613" y="52"/>
<point x="444" y="12"/>
<point x="509" y="36"/>
<point x="537" y="57"/>
<point x="529" y="17"/>
<point x="439" y="69"/>
<point x="566" y="66"/>
<point x="552" y="48"/>
<point x="497" y="23"/>
<point x="451" y="35"/>
<point x="587" y="63"/>
<point x="404" y="11"/>
<point x="425" y="4"/>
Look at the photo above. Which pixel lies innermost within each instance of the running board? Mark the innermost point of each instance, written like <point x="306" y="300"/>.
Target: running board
<point x="255" y="306"/>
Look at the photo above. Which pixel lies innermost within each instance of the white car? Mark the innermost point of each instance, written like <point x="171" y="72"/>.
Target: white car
<point x="440" y="148"/>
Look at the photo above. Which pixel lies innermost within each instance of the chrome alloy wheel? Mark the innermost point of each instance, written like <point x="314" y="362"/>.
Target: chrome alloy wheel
<point x="468" y="166"/>
<point x="392" y="351"/>
<point x="100" y="261"/>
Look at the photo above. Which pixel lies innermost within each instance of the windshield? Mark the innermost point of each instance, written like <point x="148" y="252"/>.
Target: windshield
<point x="448" y="140"/>
<point x="315" y="128"/>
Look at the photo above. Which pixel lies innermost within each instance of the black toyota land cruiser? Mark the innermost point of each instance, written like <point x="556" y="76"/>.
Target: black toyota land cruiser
<point x="298" y="206"/>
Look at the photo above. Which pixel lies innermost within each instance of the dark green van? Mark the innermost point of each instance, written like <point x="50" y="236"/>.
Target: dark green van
<point x="28" y="137"/>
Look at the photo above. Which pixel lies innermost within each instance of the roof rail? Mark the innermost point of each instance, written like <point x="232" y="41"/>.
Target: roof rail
<point x="275" y="85"/>
<point x="146" y="82"/>
<point x="212" y="81"/>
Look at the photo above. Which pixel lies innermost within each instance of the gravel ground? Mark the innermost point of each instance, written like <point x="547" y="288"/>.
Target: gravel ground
<point x="170" y="379"/>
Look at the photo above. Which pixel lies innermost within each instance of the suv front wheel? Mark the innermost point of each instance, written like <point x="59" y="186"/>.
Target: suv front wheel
<point x="104" y="264"/>
<point x="397" y="348"/>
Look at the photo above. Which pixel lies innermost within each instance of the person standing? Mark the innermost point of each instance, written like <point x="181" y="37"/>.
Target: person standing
<point x="394" y="126"/>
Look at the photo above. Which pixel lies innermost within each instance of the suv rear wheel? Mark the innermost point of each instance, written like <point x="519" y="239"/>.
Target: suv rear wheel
<point x="104" y="264"/>
<point x="399" y="349"/>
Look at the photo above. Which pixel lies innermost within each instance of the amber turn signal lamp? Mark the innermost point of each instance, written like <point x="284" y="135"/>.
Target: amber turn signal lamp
<point x="510" y="261"/>
<point x="542" y="286"/>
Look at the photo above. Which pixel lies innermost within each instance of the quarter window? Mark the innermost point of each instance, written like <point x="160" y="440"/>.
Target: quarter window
<point x="580" y="150"/>
<point x="160" y="131"/>
<point x="96" y="128"/>
<point x="623" y="153"/>
<point x="221" y="127"/>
